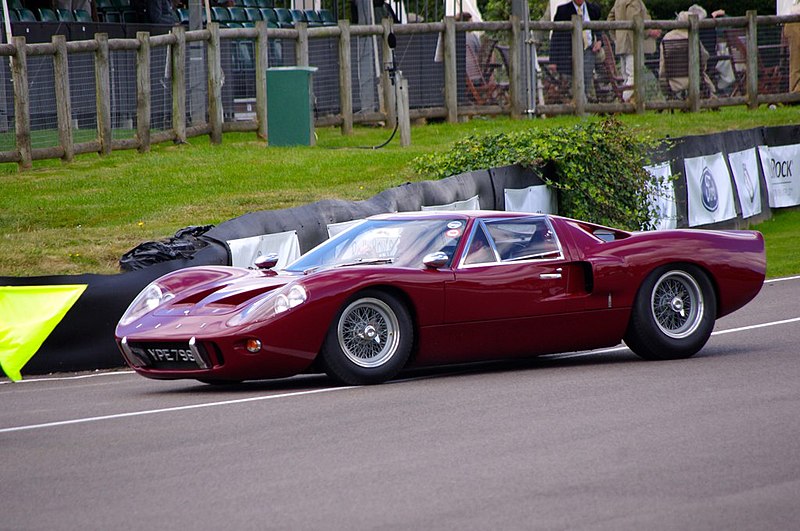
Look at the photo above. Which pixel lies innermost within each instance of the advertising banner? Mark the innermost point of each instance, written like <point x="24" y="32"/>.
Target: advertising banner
<point x="661" y="198"/>
<point x="245" y="251"/>
<point x="744" y="166"/>
<point x="537" y="199"/>
<point x="783" y="183"/>
<point x="708" y="189"/>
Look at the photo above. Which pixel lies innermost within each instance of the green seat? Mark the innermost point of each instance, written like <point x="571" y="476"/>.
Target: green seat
<point x="253" y="14"/>
<point x="65" y="15"/>
<point x="285" y="19"/>
<point x="14" y="5"/>
<point x="313" y="18"/>
<point x="47" y="15"/>
<point x="269" y="15"/>
<point x="26" y="15"/>
<point x="183" y="15"/>
<point x="265" y="3"/>
<point x="327" y="17"/>
<point x="82" y="15"/>
<point x="238" y="14"/>
<point x="220" y="14"/>
<point x="12" y="15"/>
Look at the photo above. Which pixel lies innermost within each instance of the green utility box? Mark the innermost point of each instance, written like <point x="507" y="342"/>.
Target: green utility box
<point x="290" y="109"/>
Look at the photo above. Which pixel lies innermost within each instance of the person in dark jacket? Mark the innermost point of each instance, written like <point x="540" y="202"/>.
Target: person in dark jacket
<point x="561" y="42"/>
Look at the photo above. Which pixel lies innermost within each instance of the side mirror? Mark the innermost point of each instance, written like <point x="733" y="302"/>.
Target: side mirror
<point x="435" y="260"/>
<point x="267" y="261"/>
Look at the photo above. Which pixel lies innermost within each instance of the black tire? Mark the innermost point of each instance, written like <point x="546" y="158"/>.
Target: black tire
<point x="673" y="314"/>
<point x="369" y="341"/>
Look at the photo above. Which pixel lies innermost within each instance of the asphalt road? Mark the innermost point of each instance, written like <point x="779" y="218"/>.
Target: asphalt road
<point x="594" y="440"/>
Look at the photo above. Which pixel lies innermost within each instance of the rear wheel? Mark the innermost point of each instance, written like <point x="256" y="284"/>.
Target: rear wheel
<point x="369" y="341"/>
<point x="673" y="314"/>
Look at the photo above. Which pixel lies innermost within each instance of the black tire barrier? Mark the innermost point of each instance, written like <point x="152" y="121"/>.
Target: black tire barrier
<point x="84" y="339"/>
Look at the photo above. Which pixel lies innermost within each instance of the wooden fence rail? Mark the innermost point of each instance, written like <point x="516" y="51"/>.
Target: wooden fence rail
<point x="178" y="39"/>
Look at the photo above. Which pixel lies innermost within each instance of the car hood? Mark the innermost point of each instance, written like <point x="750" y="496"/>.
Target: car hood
<point x="218" y="290"/>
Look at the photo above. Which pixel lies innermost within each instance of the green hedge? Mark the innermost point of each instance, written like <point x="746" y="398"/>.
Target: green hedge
<point x="596" y="166"/>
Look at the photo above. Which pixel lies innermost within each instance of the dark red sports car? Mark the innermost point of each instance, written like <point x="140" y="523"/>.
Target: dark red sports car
<point x="430" y="288"/>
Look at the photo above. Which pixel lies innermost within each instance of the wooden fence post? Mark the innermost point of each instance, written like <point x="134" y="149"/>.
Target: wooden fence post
<point x="22" y="111"/>
<point x="301" y="48"/>
<point x="214" y="84"/>
<point x="262" y="64"/>
<point x="638" y="64"/>
<point x="345" y="78"/>
<point x="63" y="104"/>
<point x="752" y="61"/>
<point x="694" y="64"/>
<point x="403" y="117"/>
<point x="578" y="86"/>
<point x="450" y="75"/>
<point x="102" y="86"/>
<point x="143" y="91"/>
<point x="178" y="63"/>
<point x="517" y="71"/>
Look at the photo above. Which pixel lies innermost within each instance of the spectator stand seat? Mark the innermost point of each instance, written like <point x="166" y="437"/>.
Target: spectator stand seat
<point x="298" y="16"/>
<point x="65" y="15"/>
<point x="268" y="14"/>
<point x="285" y="19"/>
<point x="237" y="14"/>
<point x="82" y="16"/>
<point x="313" y="18"/>
<point x="13" y="15"/>
<point x="221" y="15"/>
<point x="26" y="15"/>
<point x="327" y="17"/>
<point x="253" y="14"/>
<point x="47" y="15"/>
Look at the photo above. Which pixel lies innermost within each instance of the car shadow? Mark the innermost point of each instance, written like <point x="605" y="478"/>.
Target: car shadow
<point x="316" y="382"/>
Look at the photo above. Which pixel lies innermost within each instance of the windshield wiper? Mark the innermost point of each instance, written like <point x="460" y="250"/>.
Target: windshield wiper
<point x="366" y="261"/>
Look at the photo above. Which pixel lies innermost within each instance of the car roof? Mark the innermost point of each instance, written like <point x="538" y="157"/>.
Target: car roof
<point x="454" y="214"/>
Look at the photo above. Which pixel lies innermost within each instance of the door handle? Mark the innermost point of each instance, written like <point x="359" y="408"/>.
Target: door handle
<point x="551" y="276"/>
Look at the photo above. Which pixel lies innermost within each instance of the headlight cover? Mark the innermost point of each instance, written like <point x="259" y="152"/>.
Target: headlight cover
<point x="148" y="300"/>
<point x="271" y="304"/>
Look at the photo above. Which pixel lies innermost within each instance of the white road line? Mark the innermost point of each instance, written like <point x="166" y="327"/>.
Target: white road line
<point x="770" y="281"/>
<point x="753" y="327"/>
<point x="62" y="378"/>
<point x="171" y="409"/>
<point x="329" y="389"/>
<point x="717" y="333"/>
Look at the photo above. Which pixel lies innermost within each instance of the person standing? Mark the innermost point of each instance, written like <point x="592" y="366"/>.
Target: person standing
<point x="561" y="42"/>
<point x="623" y="39"/>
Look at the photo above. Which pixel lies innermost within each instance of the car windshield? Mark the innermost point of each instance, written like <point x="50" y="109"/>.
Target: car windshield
<point x="402" y="242"/>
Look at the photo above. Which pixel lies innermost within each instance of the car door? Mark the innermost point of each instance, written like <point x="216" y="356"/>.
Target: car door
<point x="510" y="292"/>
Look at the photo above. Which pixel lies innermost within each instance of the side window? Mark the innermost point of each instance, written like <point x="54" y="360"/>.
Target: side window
<point x="480" y="252"/>
<point x="520" y="239"/>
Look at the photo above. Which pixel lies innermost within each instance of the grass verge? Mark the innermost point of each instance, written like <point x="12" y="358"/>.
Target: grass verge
<point x="81" y="217"/>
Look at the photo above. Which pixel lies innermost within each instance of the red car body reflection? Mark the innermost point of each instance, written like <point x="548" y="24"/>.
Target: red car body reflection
<point x="432" y="288"/>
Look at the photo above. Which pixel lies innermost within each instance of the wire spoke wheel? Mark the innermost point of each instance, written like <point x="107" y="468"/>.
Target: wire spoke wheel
<point x="677" y="304"/>
<point x="368" y="332"/>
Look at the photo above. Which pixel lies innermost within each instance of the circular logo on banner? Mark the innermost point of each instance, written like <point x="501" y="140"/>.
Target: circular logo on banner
<point x="708" y="189"/>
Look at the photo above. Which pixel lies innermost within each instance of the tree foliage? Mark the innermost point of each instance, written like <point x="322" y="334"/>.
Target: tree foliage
<point x="596" y="166"/>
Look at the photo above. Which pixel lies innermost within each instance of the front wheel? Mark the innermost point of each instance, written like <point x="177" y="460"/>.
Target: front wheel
<point x="673" y="314"/>
<point x="369" y="341"/>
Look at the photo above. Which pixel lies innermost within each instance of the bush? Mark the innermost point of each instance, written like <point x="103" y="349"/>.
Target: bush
<point x="597" y="167"/>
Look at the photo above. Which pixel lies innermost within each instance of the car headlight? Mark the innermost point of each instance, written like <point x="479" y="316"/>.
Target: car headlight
<point x="148" y="300"/>
<point x="270" y="304"/>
